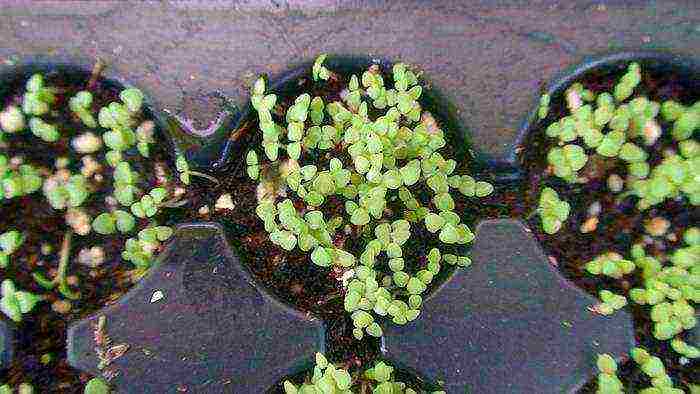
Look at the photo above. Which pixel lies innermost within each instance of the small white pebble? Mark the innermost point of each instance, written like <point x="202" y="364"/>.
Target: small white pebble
<point x="224" y="202"/>
<point x="573" y="100"/>
<point x="91" y="257"/>
<point x="150" y="247"/>
<point x="157" y="296"/>
<point x="161" y="173"/>
<point x="63" y="174"/>
<point x="657" y="226"/>
<point x="12" y="119"/>
<point x="347" y="275"/>
<point x="651" y="132"/>
<point x="595" y="209"/>
<point x="430" y="123"/>
<point x="343" y="94"/>
<point x="589" y="225"/>
<point x="179" y="191"/>
<point x="615" y="183"/>
<point x="16" y="161"/>
<point x="87" y="143"/>
<point x="111" y="201"/>
<point x="90" y="166"/>
<point x="78" y="220"/>
<point x="612" y="255"/>
<point x="145" y="130"/>
<point x="61" y="306"/>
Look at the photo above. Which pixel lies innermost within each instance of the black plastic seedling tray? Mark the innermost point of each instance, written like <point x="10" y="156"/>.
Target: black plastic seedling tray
<point x="509" y="323"/>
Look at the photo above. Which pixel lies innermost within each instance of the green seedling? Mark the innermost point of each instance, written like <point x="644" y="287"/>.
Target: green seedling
<point x="369" y="163"/>
<point x="145" y="136"/>
<point x="610" y="302"/>
<point x="149" y="204"/>
<point x="319" y="70"/>
<point x="670" y="290"/>
<point x="23" y="388"/>
<point x="183" y="167"/>
<point x="38" y="98"/>
<point x="654" y="368"/>
<point x="672" y="178"/>
<point x="10" y="241"/>
<point x="552" y="211"/>
<point x="125" y="181"/>
<point x="647" y="152"/>
<point x="15" y="303"/>
<point x="141" y="250"/>
<point x="608" y="382"/>
<point x="610" y="264"/>
<point x="120" y="118"/>
<point x="25" y="180"/>
<point x="64" y="190"/>
<point x="543" y="109"/>
<point x="46" y="131"/>
<point x="60" y="281"/>
<point x="97" y="386"/>
<point x="328" y="378"/>
<point x="81" y="105"/>
<point x="685" y="349"/>
<point x="567" y="161"/>
<point x="111" y="222"/>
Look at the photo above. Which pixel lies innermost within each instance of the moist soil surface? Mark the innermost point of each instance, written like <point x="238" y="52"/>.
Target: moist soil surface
<point x="40" y="357"/>
<point x="291" y="276"/>
<point x="620" y="224"/>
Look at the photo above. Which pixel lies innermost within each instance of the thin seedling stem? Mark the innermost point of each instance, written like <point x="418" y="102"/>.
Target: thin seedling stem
<point x="96" y="73"/>
<point x="205" y="176"/>
<point x="174" y="203"/>
<point x="64" y="258"/>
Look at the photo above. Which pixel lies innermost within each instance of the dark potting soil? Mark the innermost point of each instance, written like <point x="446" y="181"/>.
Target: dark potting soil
<point x="620" y="223"/>
<point x="363" y="385"/>
<point x="43" y="331"/>
<point x="291" y="276"/>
